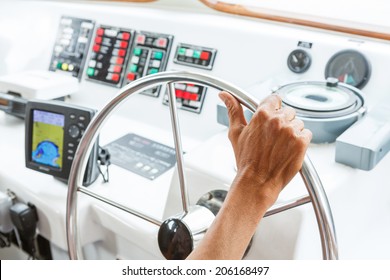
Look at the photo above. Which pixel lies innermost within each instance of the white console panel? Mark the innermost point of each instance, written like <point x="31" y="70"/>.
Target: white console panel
<point x="251" y="54"/>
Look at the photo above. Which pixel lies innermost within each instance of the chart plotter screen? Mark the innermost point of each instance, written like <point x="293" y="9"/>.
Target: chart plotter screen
<point x="48" y="138"/>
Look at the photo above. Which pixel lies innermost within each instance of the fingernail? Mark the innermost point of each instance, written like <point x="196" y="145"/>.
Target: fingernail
<point x="222" y="96"/>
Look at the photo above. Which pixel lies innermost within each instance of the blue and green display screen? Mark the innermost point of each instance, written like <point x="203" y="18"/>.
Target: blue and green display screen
<point x="48" y="138"/>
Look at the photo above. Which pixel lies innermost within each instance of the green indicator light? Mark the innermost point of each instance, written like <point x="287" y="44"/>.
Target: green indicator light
<point x="153" y="71"/>
<point x="196" y="54"/>
<point x="182" y="51"/>
<point x="90" y="71"/>
<point x="133" y="68"/>
<point x="59" y="65"/>
<point x="137" y="51"/>
<point x="158" y="55"/>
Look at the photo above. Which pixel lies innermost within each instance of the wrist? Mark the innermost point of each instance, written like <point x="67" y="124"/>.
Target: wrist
<point x="257" y="190"/>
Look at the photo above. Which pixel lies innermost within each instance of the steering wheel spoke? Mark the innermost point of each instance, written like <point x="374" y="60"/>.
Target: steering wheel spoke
<point x="178" y="146"/>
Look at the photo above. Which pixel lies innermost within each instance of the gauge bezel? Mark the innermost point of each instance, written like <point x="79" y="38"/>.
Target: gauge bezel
<point x="367" y="65"/>
<point x="302" y="69"/>
<point x="352" y="107"/>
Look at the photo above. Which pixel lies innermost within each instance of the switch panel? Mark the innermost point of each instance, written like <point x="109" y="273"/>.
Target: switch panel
<point x="110" y="52"/>
<point x="71" y="45"/>
<point x="189" y="97"/>
<point x="195" y="56"/>
<point x="149" y="56"/>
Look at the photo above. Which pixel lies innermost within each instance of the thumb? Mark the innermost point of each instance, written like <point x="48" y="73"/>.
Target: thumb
<point x="236" y="114"/>
<point x="235" y="111"/>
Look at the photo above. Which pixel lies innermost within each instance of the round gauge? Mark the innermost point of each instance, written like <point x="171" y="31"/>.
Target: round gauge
<point x="350" y="67"/>
<point x="298" y="61"/>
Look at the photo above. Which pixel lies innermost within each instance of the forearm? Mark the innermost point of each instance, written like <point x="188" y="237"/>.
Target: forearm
<point x="234" y="225"/>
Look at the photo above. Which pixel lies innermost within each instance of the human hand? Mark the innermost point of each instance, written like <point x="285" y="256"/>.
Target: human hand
<point x="269" y="150"/>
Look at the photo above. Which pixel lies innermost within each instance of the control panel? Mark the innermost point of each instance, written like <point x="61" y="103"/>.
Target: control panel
<point x="149" y="56"/>
<point x="189" y="97"/>
<point x="195" y="56"/>
<point x="71" y="45"/>
<point x="109" y="55"/>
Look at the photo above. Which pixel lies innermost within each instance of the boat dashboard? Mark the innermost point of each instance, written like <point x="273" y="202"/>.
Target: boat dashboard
<point x="102" y="47"/>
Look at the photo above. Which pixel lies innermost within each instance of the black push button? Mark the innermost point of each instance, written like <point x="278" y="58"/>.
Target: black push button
<point x="74" y="131"/>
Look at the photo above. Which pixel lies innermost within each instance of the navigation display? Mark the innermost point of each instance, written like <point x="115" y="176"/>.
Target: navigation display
<point x="48" y="138"/>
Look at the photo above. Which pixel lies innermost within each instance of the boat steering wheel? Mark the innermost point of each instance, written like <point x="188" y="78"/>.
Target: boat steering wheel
<point x="187" y="227"/>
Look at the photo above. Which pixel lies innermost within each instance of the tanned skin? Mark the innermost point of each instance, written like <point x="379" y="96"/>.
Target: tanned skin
<point x="269" y="151"/>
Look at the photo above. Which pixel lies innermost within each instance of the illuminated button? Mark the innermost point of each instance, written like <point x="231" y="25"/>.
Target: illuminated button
<point x="92" y="63"/>
<point x="70" y="151"/>
<point x="98" y="40"/>
<point x="131" y="76"/>
<point x="139" y="165"/>
<point x="59" y="65"/>
<point x="162" y="42"/>
<point x="196" y="54"/>
<point x="100" y="32"/>
<point x="205" y="55"/>
<point x="186" y="95"/>
<point x="71" y="145"/>
<point x="182" y="51"/>
<point x="189" y="52"/>
<point x="74" y="131"/>
<point x="193" y="96"/>
<point x="117" y="69"/>
<point x="119" y="60"/>
<point x="115" y="77"/>
<point x="96" y="48"/>
<point x="71" y="67"/>
<point x="124" y="44"/>
<point x="158" y="55"/>
<point x="153" y="71"/>
<point x="156" y="63"/>
<point x="140" y="39"/>
<point x="122" y="52"/>
<point x="133" y="68"/>
<point x="179" y="93"/>
<point x="125" y="36"/>
<point x="64" y="66"/>
<point x="137" y="51"/>
<point x="70" y="158"/>
<point x="135" y="59"/>
<point x="90" y="71"/>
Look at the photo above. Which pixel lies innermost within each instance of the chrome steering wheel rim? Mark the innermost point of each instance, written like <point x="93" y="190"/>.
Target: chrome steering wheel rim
<point x="317" y="195"/>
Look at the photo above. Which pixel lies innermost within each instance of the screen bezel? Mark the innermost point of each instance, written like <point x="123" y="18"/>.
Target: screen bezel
<point x="56" y="107"/>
